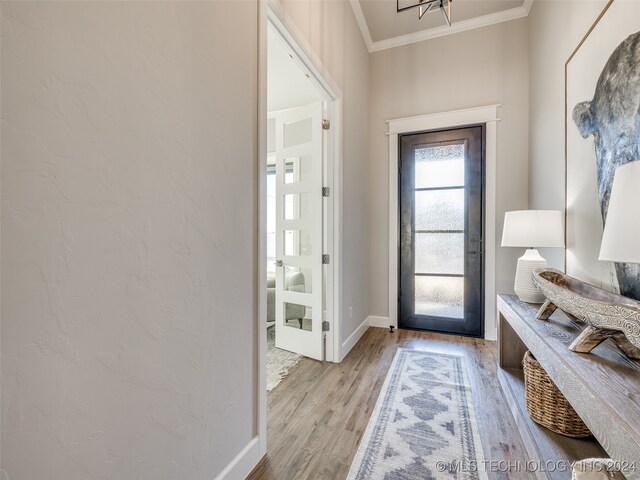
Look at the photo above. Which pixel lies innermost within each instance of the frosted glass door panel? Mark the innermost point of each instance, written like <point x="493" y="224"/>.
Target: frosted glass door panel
<point x="439" y="209"/>
<point x="439" y="230"/>
<point x="440" y="296"/>
<point x="298" y="133"/>
<point x="439" y="166"/>
<point x="438" y="253"/>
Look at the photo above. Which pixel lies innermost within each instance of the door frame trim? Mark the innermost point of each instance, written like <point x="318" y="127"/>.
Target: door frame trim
<point x="270" y="12"/>
<point x="487" y="115"/>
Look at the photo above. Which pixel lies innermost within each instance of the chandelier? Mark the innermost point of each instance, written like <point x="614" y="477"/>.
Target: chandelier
<point x="425" y="6"/>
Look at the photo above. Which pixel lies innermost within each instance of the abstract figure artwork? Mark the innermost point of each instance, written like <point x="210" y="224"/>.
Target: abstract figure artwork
<point x="613" y="118"/>
<point x="610" y="123"/>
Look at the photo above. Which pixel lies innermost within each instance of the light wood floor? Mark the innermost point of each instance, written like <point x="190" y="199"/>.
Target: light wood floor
<point x="317" y="414"/>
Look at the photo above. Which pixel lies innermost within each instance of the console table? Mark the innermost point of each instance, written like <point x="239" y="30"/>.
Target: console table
<point x="602" y="386"/>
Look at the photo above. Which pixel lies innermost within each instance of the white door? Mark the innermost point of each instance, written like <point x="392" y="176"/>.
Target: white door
<point x="299" y="282"/>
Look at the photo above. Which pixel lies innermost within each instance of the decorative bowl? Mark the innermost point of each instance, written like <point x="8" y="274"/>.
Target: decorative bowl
<point x="608" y="313"/>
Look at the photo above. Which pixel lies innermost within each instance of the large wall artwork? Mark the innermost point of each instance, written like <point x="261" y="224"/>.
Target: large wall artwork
<point x="602" y="133"/>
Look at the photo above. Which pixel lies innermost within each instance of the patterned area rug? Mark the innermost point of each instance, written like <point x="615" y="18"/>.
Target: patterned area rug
<point x="423" y="425"/>
<point x="279" y="362"/>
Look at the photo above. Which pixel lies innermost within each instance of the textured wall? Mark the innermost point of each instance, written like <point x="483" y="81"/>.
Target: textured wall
<point x="555" y="29"/>
<point x="128" y="238"/>
<point x="475" y="68"/>
<point x="330" y="30"/>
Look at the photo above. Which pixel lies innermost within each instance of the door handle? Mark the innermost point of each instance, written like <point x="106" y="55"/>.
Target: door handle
<point x="278" y="263"/>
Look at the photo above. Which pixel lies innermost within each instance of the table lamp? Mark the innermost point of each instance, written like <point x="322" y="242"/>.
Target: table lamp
<point x="531" y="229"/>
<point x="622" y="228"/>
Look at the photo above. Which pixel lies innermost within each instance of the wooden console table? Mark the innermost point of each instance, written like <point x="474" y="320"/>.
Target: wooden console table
<point x="603" y="387"/>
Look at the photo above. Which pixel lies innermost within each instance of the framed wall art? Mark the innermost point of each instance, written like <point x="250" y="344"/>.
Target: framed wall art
<point x="602" y="132"/>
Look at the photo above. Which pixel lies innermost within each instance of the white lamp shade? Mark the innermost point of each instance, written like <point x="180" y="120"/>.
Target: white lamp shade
<point x="622" y="228"/>
<point x="533" y="228"/>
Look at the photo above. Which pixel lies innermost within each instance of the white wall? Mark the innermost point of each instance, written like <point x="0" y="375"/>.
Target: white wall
<point x="555" y="29"/>
<point x="330" y="30"/>
<point x="479" y="67"/>
<point x="128" y="320"/>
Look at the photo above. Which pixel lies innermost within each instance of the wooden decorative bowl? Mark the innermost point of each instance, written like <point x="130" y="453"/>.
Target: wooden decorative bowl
<point x="607" y="315"/>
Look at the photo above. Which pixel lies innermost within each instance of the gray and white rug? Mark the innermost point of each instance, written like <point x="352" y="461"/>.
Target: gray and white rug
<point x="423" y="425"/>
<point x="279" y="362"/>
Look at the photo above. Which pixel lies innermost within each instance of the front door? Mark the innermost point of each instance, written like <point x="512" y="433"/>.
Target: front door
<point x="299" y="230"/>
<point x="441" y="230"/>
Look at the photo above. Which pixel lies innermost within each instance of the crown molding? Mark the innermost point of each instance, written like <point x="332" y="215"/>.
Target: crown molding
<point x="527" y="5"/>
<point x="422" y="35"/>
<point x="362" y="23"/>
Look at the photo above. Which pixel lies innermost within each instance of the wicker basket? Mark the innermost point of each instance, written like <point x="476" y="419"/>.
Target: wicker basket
<point x="546" y="404"/>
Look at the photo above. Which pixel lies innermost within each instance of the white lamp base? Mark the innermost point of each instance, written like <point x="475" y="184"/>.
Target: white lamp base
<point x="524" y="286"/>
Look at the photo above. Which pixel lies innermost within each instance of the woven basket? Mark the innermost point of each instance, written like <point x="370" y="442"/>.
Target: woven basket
<point x="546" y="404"/>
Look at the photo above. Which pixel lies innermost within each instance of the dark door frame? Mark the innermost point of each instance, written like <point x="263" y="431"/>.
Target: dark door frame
<point x="474" y="326"/>
<point x="485" y="114"/>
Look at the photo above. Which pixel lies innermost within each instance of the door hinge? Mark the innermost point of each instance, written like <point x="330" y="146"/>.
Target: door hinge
<point x="326" y="191"/>
<point x="326" y="326"/>
<point x="326" y="124"/>
<point x="325" y="259"/>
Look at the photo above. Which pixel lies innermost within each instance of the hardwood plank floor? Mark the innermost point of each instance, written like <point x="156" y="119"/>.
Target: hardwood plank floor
<point x="317" y="414"/>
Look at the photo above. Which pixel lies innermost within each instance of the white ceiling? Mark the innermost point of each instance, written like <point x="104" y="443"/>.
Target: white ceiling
<point x="383" y="27"/>
<point x="287" y="85"/>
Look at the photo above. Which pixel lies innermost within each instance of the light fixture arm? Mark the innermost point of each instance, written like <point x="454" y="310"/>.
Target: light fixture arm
<point x="446" y="11"/>
<point x="425" y="6"/>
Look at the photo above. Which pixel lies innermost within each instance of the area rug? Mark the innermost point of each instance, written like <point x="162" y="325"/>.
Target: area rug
<point x="279" y="362"/>
<point x="423" y="425"/>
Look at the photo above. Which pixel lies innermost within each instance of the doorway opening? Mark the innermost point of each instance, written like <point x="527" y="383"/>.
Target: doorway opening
<point x="298" y="208"/>
<point x="441" y="200"/>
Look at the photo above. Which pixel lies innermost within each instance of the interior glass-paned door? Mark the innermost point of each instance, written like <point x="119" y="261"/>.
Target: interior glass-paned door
<point x="299" y="221"/>
<point x="441" y="179"/>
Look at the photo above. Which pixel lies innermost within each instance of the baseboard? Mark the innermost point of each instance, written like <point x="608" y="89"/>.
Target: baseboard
<point x="380" y="322"/>
<point x="242" y="465"/>
<point x="353" y="338"/>
<point x="491" y="333"/>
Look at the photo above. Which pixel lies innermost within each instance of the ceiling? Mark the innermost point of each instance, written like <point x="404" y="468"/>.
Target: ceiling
<point x="383" y="27"/>
<point x="287" y="85"/>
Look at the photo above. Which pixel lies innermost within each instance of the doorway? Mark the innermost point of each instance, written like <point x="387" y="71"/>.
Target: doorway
<point x="298" y="203"/>
<point x="441" y="194"/>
